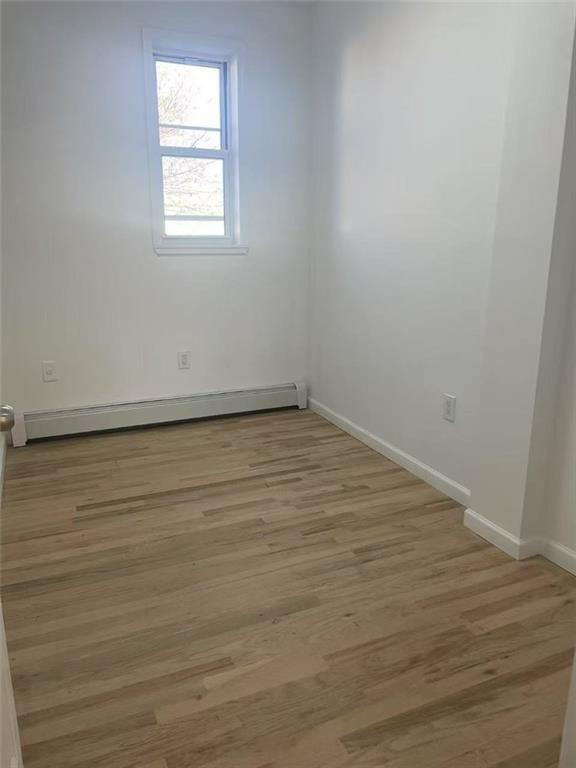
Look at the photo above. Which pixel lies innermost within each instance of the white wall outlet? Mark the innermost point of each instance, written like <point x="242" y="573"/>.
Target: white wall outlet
<point x="184" y="359"/>
<point x="448" y="407"/>
<point x="49" y="372"/>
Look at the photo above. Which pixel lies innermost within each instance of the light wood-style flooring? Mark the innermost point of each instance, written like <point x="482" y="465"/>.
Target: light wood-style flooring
<point x="267" y="592"/>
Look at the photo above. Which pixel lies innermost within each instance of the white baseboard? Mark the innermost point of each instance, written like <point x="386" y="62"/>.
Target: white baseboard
<point x="120" y="415"/>
<point x="501" y="538"/>
<point x="559" y="554"/>
<point x="520" y="549"/>
<point x="18" y="432"/>
<point x="423" y="471"/>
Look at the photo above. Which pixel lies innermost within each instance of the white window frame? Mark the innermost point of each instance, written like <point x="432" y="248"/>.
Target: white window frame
<point x="159" y="44"/>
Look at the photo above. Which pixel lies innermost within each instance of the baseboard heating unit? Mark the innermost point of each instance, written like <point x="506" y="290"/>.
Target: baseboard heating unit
<point x="38" y="424"/>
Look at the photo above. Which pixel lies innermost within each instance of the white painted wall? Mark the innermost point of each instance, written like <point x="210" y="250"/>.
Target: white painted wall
<point x="533" y="146"/>
<point x="559" y="523"/>
<point x="82" y="283"/>
<point x="550" y="502"/>
<point x="411" y="102"/>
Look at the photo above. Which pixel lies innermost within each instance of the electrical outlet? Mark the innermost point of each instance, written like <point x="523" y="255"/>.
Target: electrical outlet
<point x="49" y="372"/>
<point x="448" y="407"/>
<point x="184" y="359"/>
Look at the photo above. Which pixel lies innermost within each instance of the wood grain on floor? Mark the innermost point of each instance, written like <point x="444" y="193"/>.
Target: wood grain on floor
<point x="267" y="592"/>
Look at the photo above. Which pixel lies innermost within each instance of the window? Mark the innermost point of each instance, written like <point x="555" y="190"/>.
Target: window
<point x="193" y="148"/>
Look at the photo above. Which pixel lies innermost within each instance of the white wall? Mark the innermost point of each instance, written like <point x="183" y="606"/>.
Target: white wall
<point x="550" y="503"/>
<point x="82" y="283"/>
<point x="532" y="157"/>
<point x="411" y="101"/>
<point x="559" y="523"/>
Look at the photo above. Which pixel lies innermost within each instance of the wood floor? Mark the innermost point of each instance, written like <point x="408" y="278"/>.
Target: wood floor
<point x="267" y="592"/>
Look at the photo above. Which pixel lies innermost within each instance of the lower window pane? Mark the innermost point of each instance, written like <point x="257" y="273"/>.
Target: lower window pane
<point x="183" y="228"/>
<point x="193" y="186"/>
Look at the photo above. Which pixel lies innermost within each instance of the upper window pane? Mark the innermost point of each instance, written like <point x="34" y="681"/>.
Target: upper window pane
<point x="189" y="105"/>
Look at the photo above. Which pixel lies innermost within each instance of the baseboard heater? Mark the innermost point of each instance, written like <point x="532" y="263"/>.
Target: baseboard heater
<point x="37" y="424"/>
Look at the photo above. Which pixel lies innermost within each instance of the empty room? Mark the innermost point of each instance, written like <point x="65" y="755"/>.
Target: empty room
<point x="288" y="384"/>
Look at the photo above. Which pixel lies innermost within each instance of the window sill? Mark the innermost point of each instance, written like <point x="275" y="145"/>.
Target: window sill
<point x="201" y="250"/>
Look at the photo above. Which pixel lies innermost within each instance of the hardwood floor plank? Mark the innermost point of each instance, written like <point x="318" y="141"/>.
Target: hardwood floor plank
<point x="266" y="592"/>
